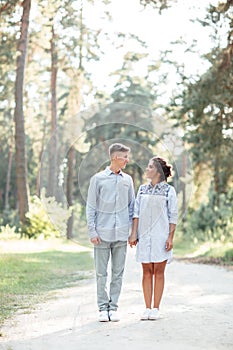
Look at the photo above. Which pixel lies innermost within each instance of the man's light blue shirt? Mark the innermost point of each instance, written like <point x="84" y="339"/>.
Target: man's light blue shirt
<point x="110" y="205"/>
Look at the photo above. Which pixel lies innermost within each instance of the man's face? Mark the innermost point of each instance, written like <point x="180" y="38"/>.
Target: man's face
<point x="121" y="159"/>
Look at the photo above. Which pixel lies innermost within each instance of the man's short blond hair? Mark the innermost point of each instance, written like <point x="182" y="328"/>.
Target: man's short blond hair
<point x="117" y="147"/>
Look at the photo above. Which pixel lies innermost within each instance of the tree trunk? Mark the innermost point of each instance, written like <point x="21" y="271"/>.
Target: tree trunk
<point x="218" y="186"/>
<point x="183" y="174"/>
<point x="8" y="177"/>
<point x="38" y="179"/>
<point x="183" y="190"/>
<point x="217" y="177"/>
<point x="21" y="169"/>
<point x="53" y="142"/>
<point x="74" y="102"/>
<point x="69" y="189"/>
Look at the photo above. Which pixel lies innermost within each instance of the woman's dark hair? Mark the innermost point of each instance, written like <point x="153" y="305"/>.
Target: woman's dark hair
<point x="163" y="168"/>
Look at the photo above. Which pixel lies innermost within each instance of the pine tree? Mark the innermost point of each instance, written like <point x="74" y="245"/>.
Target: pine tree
<point x="21" y="168"/>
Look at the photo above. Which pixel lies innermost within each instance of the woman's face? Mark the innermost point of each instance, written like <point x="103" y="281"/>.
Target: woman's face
<point x="151" y="170"/>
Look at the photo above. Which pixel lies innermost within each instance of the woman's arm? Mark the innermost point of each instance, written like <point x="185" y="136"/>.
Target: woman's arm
<point x="133" y="237"/>
<point x="169" y="241"/>
<point x="172" y="217"/>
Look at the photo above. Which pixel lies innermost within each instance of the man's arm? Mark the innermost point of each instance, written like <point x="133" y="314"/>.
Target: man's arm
<point x="131" y="200"/>
<point x="133" y="237"/>
<point x="91" y="211"/>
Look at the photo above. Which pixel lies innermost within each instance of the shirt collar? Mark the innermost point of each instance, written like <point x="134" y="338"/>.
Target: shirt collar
<point x="158" y="185"/>
<point x="108" y="171"/>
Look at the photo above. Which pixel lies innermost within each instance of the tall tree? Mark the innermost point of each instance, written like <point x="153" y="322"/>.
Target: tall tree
<point x="21" y="168"/>
<point x="9" y="30"/>
<point x="53" y="142"/>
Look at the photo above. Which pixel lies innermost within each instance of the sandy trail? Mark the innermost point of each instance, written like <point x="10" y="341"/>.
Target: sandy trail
<point x="196" y="310"/>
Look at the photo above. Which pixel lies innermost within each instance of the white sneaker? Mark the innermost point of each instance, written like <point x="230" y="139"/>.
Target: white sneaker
<point x="145" y="315"/>
<point x="103" y="316"/>
<point x="114" y="316"/>
<point x="154" y="314"/>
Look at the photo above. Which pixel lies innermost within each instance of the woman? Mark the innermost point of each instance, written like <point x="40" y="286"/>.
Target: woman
<point x="154" y="224"/>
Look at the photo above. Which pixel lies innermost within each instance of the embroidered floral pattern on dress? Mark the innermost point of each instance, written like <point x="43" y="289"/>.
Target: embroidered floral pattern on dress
<point x="161" y="189"/>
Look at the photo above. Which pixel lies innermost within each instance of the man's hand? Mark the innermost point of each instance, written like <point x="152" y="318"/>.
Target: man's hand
<point x="95" y="240"/>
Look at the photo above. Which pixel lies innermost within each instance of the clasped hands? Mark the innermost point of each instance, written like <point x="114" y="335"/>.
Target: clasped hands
<point x="132" y="240"/>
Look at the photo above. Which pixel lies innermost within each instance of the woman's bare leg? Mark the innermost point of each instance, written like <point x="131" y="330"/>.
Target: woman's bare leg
<point x="159" y="269"/>
<point x="147" y="283"/>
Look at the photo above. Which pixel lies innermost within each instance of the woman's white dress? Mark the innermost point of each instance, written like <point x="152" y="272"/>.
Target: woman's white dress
<point x="156" y="208"/>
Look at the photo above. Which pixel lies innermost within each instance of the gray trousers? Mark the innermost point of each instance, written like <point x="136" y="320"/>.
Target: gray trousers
<point x="102" y="253"/>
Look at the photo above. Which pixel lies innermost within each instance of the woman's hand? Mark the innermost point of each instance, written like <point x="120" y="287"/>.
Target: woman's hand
<point x="169" y="244"/>
<point x="169" y="241"/>
<point x="132" y="240"/>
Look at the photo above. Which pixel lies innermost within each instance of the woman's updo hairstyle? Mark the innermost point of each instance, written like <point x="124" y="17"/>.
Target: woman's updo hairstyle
<point x="163" y="168"/>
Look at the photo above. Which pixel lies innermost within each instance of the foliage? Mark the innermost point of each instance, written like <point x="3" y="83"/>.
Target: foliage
<point x="124" y="122"/>
<point x="204" y="110"/>
<point x="228" y="256"/>
<point x="10" y="217"/>
<point x="7" y="231"/>
<point x="57" y="213"/>
<point x="206" y="116"/>
<point x="202" y="106"/>
<point x="37" y="223"/>
<point x="7" y="6"/>
<point x="211" y="222"/>
<point x="158" y="4"/>
<point x="46" y="218"/>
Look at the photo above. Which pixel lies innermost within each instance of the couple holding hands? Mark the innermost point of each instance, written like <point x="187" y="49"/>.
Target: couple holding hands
<point x="110" y="210"/>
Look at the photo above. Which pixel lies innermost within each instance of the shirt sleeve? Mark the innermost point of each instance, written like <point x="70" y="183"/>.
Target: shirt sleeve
<point x="131" y="200"/>
<point x="137" y="204"/>
<point x="172" y="206"/>
<point x="91" y="208"/>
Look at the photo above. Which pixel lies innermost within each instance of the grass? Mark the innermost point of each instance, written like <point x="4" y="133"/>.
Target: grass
<point x="29" y="277"/>
<point x="218" y="252"/>
<point x="184" y="246"/>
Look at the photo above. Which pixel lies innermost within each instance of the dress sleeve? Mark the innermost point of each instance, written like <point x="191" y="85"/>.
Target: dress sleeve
<point x="137" y="204"/>
<point x="172" y="206"/>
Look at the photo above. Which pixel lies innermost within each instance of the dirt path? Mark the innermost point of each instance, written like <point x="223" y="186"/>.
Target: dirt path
<point x="197" y="313"/>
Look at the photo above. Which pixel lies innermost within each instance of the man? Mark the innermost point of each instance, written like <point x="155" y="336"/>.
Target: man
<point x="109" y="210"/>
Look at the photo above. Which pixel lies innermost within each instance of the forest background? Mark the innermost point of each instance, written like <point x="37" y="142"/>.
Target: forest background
<point x="73" y="80"/>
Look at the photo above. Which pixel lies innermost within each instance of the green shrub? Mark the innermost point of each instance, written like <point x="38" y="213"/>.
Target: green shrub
<point x="229" y="255"/>
<point x="46" y="218"/>
<point x="56" y="212"/>
<point x="10" y="217"/>
<point x="7" y="231"/>
<point x="37" y="223"/>
<point x="212" y="222"/>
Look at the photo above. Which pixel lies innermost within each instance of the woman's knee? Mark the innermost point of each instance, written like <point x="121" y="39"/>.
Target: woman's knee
<point x="147" y="270"/>
<point x="159" y="269"/>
